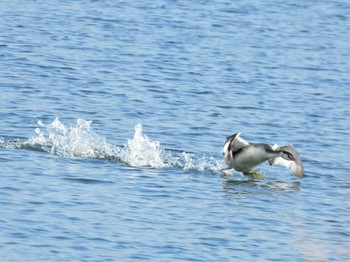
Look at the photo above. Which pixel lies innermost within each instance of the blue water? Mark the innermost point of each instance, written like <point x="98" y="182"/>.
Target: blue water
<point x="114" y="114"/>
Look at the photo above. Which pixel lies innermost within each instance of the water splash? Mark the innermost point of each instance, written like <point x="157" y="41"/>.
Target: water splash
<point x="201" y="163"/>
<point x="82" y="141"/>
<point x="76" y="141"/>
<point x="142" y="151"/>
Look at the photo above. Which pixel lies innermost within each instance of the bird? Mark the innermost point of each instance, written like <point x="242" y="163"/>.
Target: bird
<point x="243" y="156"/>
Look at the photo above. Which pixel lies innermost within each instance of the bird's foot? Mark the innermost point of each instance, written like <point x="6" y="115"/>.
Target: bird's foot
<point x="255" y="175"/>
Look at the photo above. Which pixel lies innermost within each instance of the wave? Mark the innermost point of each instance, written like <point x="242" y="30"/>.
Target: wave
<point x="82" y="141"/>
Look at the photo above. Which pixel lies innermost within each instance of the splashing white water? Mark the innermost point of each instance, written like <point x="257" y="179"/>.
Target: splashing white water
<point x="140" y="151"/>
<point x="209" y="163"/>
<point x="77" y="141"/>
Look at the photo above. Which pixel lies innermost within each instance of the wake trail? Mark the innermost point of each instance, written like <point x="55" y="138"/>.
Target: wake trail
<point x="82" y="141"/>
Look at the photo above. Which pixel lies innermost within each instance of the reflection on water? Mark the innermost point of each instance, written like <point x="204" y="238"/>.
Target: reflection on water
<point x="253" y="186"/>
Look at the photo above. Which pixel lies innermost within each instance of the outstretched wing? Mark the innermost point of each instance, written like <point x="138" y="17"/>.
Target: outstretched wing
<point x="232" y="145"/>
<point x="295" y="165"/>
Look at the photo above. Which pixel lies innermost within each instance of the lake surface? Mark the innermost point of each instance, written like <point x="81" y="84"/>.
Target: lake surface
<point x="114" y="114"/>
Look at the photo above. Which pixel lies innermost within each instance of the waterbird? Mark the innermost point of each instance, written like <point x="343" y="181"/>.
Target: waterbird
<point x="243" y="156"/>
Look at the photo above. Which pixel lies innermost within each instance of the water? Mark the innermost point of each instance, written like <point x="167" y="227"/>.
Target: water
<point x="114" y="115"/>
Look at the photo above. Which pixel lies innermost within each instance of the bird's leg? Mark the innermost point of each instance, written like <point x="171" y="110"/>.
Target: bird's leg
<point x="255" y="175"/>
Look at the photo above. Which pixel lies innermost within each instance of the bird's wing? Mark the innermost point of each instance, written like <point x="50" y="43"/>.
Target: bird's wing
<point x="232" y="145"/>
<point x="295" y="165"/>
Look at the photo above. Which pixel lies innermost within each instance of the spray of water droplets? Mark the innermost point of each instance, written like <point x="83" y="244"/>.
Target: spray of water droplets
<point x="139" y="151"/>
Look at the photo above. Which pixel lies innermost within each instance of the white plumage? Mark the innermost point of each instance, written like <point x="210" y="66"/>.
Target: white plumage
<point x="244" y="157"/>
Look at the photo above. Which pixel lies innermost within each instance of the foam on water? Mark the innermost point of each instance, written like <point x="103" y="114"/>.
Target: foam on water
<point x="82" y="141"/>
<point x="76" y="141"/>
<point x="142" y="151"/>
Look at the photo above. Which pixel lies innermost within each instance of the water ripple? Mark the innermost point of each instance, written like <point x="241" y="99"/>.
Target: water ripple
<point x="192" y="73"/>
